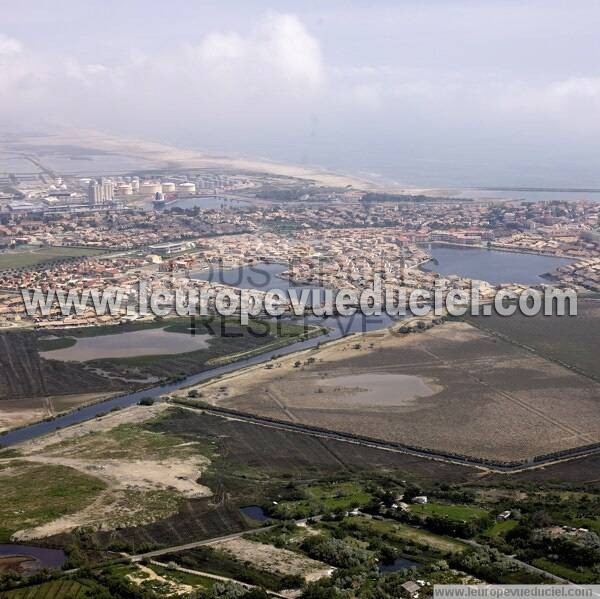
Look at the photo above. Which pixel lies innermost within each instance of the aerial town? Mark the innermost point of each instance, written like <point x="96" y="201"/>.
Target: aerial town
<point x="299" y="300"/>
<point x="100" y="233"/>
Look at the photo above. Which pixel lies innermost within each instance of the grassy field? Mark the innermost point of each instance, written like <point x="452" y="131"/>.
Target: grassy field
<point x="452" y="512"/>
<point x="499" y="529"/>
<point x="563" y="571"/>
<point x="325" y="498"/>
<point x="55" y="589"/>
<point x="58" y="343"/>
<point x="192" y="580"/>
<point x="32" y="257"/>
<point x="128" y="442"/>
<point x="404" y="532"/>
<point x="33" y="494"/>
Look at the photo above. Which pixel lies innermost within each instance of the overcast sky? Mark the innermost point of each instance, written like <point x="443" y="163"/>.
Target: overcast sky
<point x="424" y="92"/>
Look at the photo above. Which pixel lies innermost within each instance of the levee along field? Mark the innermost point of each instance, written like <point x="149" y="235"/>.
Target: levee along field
<point x="452" y="388"/>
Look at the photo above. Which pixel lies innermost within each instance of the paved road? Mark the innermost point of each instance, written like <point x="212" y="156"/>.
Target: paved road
<point x="194" y="545"/>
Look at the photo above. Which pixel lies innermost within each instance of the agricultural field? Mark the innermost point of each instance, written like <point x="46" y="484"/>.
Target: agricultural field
<point x="56" y="589"/>
<point x="404" y="532"/>
<point x="585" y="470"/>
<point x="26" y="258"/>
<point x="273" y="559"/>
<point x="233" y="560"/>
<point x="439" y="389"/>
<point x="570" y="340"/>
<point x="499" y="529"/>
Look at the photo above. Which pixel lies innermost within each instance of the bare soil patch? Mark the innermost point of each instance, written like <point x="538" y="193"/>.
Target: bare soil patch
<point x="273" y="559"/>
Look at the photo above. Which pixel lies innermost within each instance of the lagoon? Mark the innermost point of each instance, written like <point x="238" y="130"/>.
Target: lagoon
<point x="491" y="265"/>
<point x="148" y="342"/>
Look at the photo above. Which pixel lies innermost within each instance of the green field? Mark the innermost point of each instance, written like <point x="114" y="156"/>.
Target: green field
<point x="33" y="257"/>
<point x="192" y="580"/>
<point x="55" y="589"/>
<point x="325" y="498"/>
<point x="458" y="513"/>
<point x="34" y="494"/>
<point x="404" y="532"/>
<point x="499" y="529"/>
<point x="564" y="571"/>
<point x="52" y="344"/>
<point x="129" y="442"/>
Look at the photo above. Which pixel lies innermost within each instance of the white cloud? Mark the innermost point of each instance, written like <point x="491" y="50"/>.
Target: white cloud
<point x="270" y="83"/>
<point x="221" y="46"/>
<point x="279" y="51"/>
<point x="9" y="46"/>
<point x="583" y="87"/>
<point x="287" y="45"/>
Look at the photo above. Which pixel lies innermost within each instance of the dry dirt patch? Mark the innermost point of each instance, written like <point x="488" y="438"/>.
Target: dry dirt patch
<point x="147" y="474"/>
<point x="273" y="559"/>
<point x="490" y="398"/>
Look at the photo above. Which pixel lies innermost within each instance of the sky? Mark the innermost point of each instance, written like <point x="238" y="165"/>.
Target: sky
<point x="422" y="92"/>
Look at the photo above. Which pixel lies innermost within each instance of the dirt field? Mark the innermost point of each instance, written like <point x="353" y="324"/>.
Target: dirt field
<point x="572" y="340"/>
<point x="272" y="559"/>
<point x="275" y="455"/>
<point x="147" y="474"/>
<point x="487" y="397"/>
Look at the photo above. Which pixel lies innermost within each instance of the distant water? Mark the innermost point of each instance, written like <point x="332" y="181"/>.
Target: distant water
<point x="260" y="276"/>
<point x="400" y="563"/>
<point x="488" y="265"/>
<point x="46" y="558"/>
<point x="208" y="203"/>
<point x="492" y="266"/>
<point x="148" y="342"/>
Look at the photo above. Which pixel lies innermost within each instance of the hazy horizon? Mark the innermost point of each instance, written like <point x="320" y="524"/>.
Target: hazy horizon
<point x="434" y="94"/>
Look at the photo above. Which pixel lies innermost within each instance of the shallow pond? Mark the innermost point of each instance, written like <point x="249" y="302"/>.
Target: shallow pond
<point x="384" y="389"/>
<point x="148" y="342"/>
<point x="399" y="563"/>
<point x="34" y="558"/>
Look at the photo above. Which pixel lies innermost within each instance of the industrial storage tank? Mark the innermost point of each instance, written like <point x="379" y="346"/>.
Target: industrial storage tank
<point x="188" y="188"/>
<point x="124" y="189"/>
<point x="168" y="187"/>
<point x="150" y="187"/>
